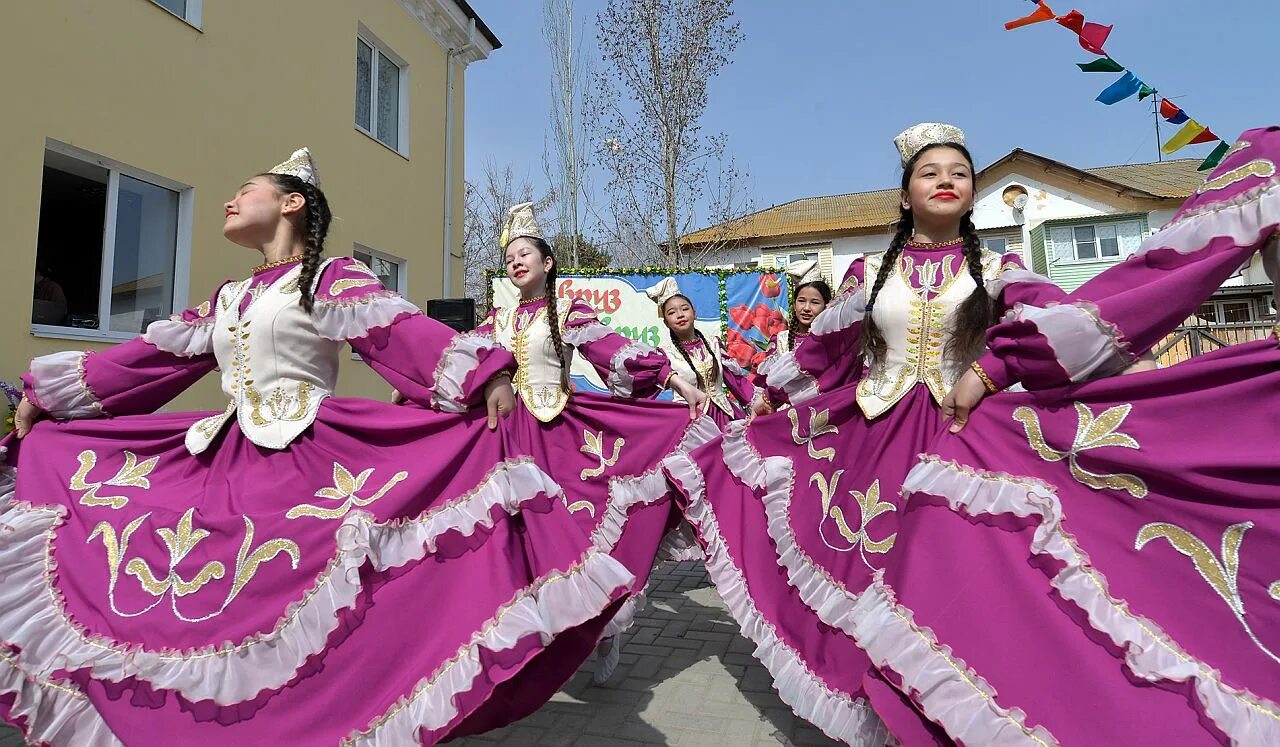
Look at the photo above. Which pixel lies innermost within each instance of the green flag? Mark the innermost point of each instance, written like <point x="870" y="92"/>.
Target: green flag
<point x="1215" y="157"/>
<point x="1145" y="91"/>
<point x="1100" y="65"/>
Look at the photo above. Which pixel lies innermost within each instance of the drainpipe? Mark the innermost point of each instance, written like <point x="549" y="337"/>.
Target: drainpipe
<point x="447" y="283"/>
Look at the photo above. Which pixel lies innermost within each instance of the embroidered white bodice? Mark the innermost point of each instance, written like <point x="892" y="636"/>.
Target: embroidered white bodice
<point x="702" y="361"/>
<point x="525" y="333"/>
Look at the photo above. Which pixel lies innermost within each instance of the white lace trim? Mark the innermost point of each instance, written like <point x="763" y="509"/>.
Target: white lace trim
<point x="1085" y="346"/>
<point x="1247" y="218"/>
<point x="56" y="713"/>
<point x="780" y="371"/>
<point x="459" y="360"/>
<point x="997" y="285"/>
<point x="182" y="338"/>
<point x="843" y="312"/>
<point x="349" y="319"/>
<point x="60" y="387"/>
<point x="837" y="714"/>
<point x="955" y="697"/>
<point x="32" y="617"/>
<point x="1150" y="653"/>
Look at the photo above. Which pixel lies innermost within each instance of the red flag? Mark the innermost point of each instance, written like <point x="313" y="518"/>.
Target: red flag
<point x="1092" y="35"/>
<point x="1168" y="109"/>
<point x="1204" y="137"/>
<point x="1041" y="13"/>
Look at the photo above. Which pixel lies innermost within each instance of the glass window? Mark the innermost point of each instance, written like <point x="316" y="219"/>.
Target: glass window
<point x="364" y="86"/>
<point x="387" y="270"/>
<point x="1086" y="243"/>
<point x="97" y="221"/>
<point x="998" y="245"/>
<point x="1237" y="312"/>
<point x="1108" y="240"/>
<point x="176" y="7"/>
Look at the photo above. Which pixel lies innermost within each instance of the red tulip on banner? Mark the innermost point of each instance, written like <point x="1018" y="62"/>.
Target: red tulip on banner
<point x="1041" y="13"/>
<point x="1092" y="35"/>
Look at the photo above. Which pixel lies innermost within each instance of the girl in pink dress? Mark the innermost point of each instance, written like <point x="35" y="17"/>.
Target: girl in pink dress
<point x="798" y="509"/>
<point x="726" y="384"/>
<point x="603" y="450"/>
<point x="1096" y="560"/>
<point x="298" y="568"/>
<point x="810" y="294"/>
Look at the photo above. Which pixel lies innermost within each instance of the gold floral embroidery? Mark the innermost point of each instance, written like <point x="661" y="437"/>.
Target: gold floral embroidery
<point x="593" y="445"/>
<point x="345" y="487"/>
<point x="1260" y="168"/>
<point x="279" y="405"/>
<point x="1222" y="574"/>
<point x="1239" y="146"/>
<point x="255" y="292"/>
<point x="180" y="541"/>
<point x="133" y="474"/>
<point x="345" y="284"/>
<point x="1091" y="433"/>
<point x="203" y="309"/>
<point x="869" y="505"/>
<point x="819" y="425"/>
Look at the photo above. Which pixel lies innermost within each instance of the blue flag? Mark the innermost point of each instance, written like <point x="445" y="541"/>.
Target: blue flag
<point x="1126" y="86"/>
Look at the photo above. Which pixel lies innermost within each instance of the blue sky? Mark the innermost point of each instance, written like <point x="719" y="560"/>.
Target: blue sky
<point x="818" y="88"/>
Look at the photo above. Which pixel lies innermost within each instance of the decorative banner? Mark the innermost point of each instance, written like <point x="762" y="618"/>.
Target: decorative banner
<point x="1215" y="157"/>
<point x="749" y="303"/>
<point x="1102" y="65"/>
<point x="1040" y="14"/>
<point x="1172" y="113"/>
<point x="1145" y="91"/>
<point x="1092" y="35"/>
<point x="1126" y="86"/>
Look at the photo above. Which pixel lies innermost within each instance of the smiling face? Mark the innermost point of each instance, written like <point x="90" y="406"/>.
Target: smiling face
<point x="525" y="265"/>
<point x="678" y="314"/>
<point x="940" y="190"/>
<point x="253" y="216"/>
<point x="809" y="302"/>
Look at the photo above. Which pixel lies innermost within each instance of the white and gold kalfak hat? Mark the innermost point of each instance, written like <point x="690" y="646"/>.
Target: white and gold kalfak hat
<point x="301" y="165"/>
<point x="804" y="271"/>
<point x="662" y="291"/>
<point x="520" y="222"/>
<point x="915" y="139"/>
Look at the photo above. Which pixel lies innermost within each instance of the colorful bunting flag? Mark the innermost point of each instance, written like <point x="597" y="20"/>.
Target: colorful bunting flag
<point x="1092" y="35"/>
<point x="1172" y="112"/>
<point x="1126" y="86"/>
<point x="1189" y="132"/>
<point x="1205" y="137"/>
<point x="1101" y="65"/>
<point x="1041" y="13"/>
<point x="1146" y="91"/>
<point x="1215" y="157"/>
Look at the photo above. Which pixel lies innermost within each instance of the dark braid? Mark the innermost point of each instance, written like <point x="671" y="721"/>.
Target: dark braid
<point x="793" y="323"/>
<point x="873" y="342"/>
<point x="553" y="314"/>
<point x="687" y="359"/>
<point x="976" y="313"/>
<point x="317" y="217"/>
<point x="715" y="359"/>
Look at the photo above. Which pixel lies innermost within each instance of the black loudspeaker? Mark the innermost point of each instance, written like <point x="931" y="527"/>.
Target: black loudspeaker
<point x="459" y="313"/>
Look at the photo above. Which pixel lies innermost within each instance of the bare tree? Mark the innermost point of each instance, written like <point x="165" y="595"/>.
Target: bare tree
<point x="485" y="205"/>
<point x="567" y="165"/>
<point x="648" y="103"/>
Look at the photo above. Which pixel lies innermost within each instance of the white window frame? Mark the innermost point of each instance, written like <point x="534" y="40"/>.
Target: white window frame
<point x="986" y="244"/>
<point x="365" y="36"/>
<point x="1097" y="241"/>
<point x="195" y="13"/>
<point x="402" y="273"/>
<point x="182" y="248"/>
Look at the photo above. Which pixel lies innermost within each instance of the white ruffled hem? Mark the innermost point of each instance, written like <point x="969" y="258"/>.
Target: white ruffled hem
<point x="60" y="387"/>
<point x="556" y="603"/>
<point x="841" y="314"/>
<point x="1008" y="277"/>
<point x="1149" y="651"/>
<point x="458" y="361"/>
<point x="845" y="611"/>
<point x="336" y="319"/>
<point x="56" y="712"/>
<point x="1085" y="346"/>
<point x="1247" y="218"/>
<point x="33" y="619"/>
<point x="680" y="545"/>
<point x="837" y="714"/>
<point x="185" y="339"/>
<point x="780" y="371"/>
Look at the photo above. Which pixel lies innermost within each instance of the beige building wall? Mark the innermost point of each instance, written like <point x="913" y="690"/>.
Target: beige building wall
<point x="209" y="107"/>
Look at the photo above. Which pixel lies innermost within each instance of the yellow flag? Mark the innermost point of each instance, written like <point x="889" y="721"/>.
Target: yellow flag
<point x="1189" y="132"/>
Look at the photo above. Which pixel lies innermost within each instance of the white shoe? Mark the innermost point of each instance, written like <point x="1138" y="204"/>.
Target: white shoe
<point x="608" y="652"/>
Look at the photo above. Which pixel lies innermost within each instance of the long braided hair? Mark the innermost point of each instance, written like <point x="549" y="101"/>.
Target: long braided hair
<point x="675" y="342"/>
<point x="793" y="323"/>
<point x="553" y="314"/>
<point x="316" y="219"/>
<point x="973" y="316"/>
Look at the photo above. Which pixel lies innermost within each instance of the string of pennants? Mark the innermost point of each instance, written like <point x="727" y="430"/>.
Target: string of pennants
<point x="1092" y="37"/>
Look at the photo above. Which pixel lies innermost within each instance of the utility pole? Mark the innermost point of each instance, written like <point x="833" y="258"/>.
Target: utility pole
<point x="1155" y="103"/>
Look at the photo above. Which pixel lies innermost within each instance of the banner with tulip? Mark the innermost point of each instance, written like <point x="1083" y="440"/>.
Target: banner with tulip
<point x="744" y="308"/>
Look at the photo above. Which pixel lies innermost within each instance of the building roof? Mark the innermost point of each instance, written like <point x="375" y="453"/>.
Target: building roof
<point x="481" y="26"/>
<point x="1161" y="180"/>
